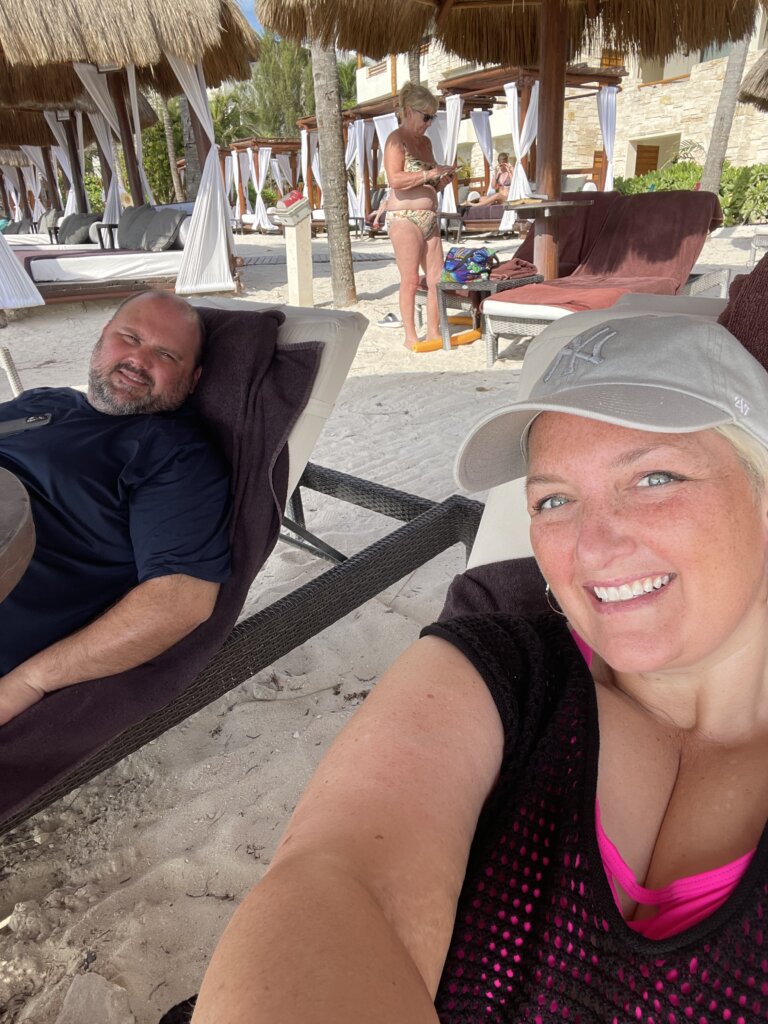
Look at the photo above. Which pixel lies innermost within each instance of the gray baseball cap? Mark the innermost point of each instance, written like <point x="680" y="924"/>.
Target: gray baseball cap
<point x="670" y="374"/>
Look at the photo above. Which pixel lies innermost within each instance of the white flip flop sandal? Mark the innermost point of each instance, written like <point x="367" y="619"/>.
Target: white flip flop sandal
<point x="390" y="320"/>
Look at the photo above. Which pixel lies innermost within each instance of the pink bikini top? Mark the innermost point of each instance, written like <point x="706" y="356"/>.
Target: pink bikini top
<point x="679" y="905"/>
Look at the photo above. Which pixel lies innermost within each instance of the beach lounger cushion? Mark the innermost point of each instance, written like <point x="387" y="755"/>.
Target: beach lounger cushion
<point x="75" y="228"/>
<point x="253" y="390"/>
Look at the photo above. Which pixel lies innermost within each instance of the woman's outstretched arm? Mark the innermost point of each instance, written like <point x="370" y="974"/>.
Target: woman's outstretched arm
<point x="353" y="918"/>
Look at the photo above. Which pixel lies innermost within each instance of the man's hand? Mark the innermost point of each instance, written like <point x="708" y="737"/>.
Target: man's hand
<point x="16" y="696"/>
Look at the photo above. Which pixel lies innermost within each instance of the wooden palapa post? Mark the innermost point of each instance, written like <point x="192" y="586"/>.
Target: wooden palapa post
<point x="4" y="195"/>
<point x="553" y="25"/>
<point x="115" y="83"/>
<point x="24" y="199"/>
<point x="50" y="175"/>
<point x="74" y="162"/>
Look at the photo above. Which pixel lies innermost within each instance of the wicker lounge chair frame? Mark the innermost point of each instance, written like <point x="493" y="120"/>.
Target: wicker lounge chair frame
<point x="495" y="325"/>
<point x="255" y="643"/>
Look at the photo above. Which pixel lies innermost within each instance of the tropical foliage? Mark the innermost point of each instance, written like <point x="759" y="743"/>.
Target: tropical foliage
<point x="743" y="190"/>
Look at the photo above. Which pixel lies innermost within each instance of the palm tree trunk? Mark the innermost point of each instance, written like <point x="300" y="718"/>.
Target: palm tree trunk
<point x="726" y="108"/>
<point x="170" y="145"/>
<point x="325" y="76"/>
<point x="414" y="65"/>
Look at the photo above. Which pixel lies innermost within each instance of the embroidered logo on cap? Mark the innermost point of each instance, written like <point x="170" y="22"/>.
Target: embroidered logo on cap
<point x="742" y="405"/>
<point x="578" y="348"/>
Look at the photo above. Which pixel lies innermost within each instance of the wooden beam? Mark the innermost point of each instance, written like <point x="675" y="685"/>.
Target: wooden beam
<point x="393" y="73"/>
<point x="115" y="85"/>
<point x="443" y="12"/>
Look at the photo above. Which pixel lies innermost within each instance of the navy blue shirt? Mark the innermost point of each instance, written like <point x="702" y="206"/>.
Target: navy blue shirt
<point x="116" y="500"/>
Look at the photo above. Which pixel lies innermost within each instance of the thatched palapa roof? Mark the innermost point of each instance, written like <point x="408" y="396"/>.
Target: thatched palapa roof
<point x="37" y="33"/>
<point x="754" y="88"/>
<point x="501" y="31"/>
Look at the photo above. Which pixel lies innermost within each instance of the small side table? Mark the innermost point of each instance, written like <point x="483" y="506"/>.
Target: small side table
<point x="17" y="532"/>
<point x="478" y="291"/>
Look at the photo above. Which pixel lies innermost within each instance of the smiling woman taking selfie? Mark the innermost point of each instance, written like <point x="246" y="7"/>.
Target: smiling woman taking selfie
<point x="558" y="817"/>
<point x="415" y="178"/>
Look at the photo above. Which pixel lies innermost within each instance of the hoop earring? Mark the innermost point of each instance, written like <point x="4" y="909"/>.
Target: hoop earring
<point x="552" y="602"/>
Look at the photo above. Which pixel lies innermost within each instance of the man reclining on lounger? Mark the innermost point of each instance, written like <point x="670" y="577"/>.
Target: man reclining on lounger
<point x="130" y="499"/>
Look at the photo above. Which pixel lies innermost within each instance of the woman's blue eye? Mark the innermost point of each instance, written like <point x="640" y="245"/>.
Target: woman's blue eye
<point x="553" y="501"/>
<point x="656" y="479"/>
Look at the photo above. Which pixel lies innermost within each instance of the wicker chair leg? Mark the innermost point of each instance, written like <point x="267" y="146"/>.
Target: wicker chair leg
<point x="491" y="341"/>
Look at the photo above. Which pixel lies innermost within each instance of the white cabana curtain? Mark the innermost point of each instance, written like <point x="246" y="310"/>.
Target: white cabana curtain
<point x="245" y="172"/>
<point x="13" y="193"/>
<point x="35" y="155"/>
<point x="205" y="262"/>
<point x="522" y="140"/>
<point x="481" y="122"/>
<point x="363" y="132"/>
<point x="112" y="206"/>
<point x="438" y="136"/>
<point x="281" y="172"/>
<point x="228" y="183"/>
<point x="17" y="289"/>
<point x="606" y="112"/>
<point x="104" y="123"/>
<point x="454" y="107"/>
<point x="33" y="182"/>
<point x="259" y="176"/>
<point x="62" y="155"/>
<point x="384" y="125"/>
<point x="58" y="166"/>
<point x="305" y="160"/>
<point x="350" y="155"/>
<point x="314" y="159"/>
<point x="235" y="172"/>
<point x="138" y="144"/>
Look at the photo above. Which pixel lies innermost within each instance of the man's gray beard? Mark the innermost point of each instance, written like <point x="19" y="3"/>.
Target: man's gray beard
<point x="102" y="397"/>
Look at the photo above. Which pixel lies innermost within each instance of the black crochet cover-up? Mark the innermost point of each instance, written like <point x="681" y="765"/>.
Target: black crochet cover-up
<point x="538" y="937"/>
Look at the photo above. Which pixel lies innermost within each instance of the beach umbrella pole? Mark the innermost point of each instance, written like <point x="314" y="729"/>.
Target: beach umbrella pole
<point x="552" y="63"/>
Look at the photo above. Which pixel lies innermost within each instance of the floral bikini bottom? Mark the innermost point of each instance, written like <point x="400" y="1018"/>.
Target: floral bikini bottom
<point x="425" y="220"/>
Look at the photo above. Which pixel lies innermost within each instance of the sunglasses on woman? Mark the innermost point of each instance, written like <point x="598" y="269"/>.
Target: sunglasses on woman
<point x="427" y="117"/>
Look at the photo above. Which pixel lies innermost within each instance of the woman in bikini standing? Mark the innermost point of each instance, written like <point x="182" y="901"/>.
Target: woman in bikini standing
<point x="415" y="179"/>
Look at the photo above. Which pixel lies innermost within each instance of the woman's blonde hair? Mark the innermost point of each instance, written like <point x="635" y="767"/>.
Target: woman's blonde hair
<point x="752" y="455"/>
<point x="417" y="98"/>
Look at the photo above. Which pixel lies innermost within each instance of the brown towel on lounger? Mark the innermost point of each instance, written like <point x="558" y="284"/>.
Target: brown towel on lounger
<point x="513" y="268"/>
<point x="251" y="393"/>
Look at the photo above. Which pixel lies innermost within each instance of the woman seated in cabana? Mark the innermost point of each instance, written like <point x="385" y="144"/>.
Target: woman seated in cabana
<point x="501" y="182"/>
<point x="561" y="817"/>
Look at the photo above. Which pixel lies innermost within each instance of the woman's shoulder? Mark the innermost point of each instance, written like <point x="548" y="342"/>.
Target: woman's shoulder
<point x="516" y="653"/>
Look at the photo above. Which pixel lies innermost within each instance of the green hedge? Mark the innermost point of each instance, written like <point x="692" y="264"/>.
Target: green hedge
<point x="743" y="190"/>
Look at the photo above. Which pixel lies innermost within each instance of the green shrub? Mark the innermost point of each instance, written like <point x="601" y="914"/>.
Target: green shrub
<point x="94" y="191"/>
<point x="743" y="190"/>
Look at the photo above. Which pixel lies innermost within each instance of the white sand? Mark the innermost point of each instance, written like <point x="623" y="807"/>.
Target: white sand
<point x="133" y="877"/>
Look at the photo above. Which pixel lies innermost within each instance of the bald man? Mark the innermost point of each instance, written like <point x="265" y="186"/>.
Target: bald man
<point x="130" y="499"/>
